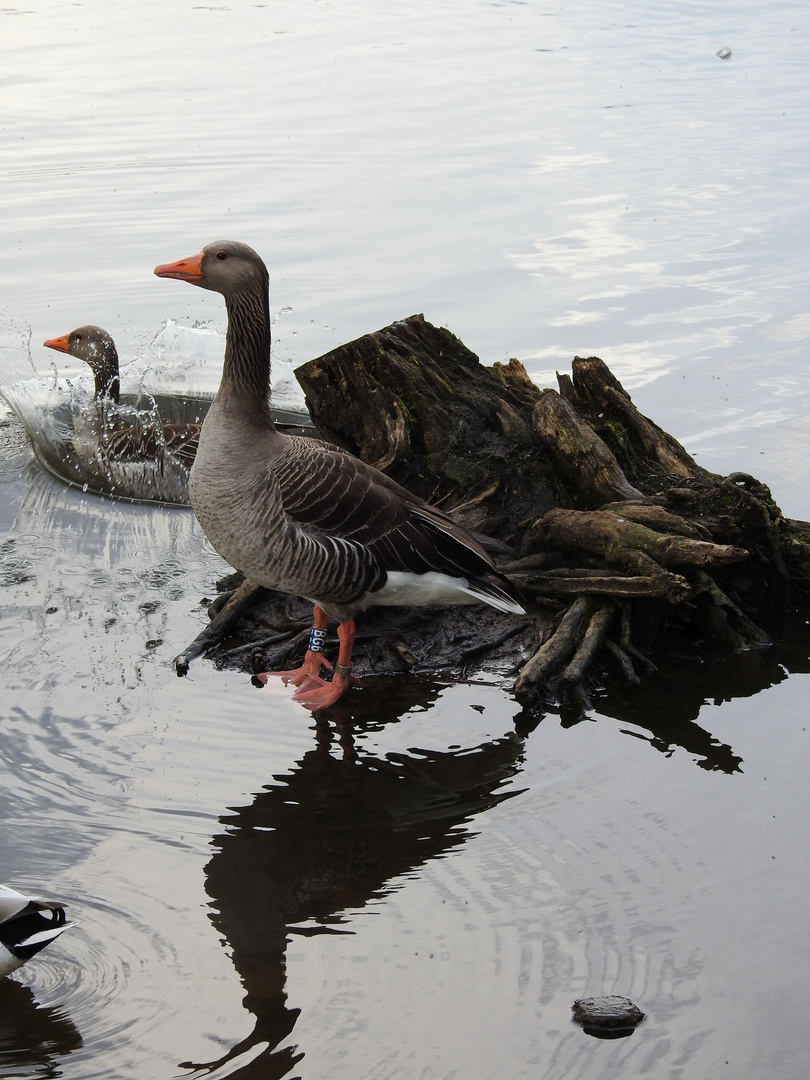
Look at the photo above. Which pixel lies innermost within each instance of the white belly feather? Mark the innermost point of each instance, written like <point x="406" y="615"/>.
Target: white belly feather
<point x="403" y="589"/>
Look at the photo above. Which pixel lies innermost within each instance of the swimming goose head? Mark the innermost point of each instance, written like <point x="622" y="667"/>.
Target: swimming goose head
<point x="142" y="457"/>
<point x="94" y="346"/>
<point x="225" y="266"/>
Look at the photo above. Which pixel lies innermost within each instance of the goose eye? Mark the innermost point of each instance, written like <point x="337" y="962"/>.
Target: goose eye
<point x="78" y="338"/>
<point x="222" y="255"/>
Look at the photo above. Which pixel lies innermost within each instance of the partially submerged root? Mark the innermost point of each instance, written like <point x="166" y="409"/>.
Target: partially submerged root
<point x="224" y="618"/>
<point x="554" y="652"/>
<point x="632" y="537"/>
<point x="587" y="651"/>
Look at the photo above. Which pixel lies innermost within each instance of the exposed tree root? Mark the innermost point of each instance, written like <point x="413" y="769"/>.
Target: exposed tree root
<point x="225" y="617"/>
<point x="585" y="656"/>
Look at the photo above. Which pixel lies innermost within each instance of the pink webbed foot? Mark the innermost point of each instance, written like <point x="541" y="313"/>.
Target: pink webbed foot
<point x="316" y="693"/>
<point x="312" y="691"/>
<point x="313" y="662"/>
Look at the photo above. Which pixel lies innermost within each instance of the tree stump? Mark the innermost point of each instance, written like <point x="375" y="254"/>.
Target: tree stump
<point x="617" y="533"/>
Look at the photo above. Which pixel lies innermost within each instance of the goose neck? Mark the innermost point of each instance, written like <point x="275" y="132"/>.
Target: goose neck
<point x="104" y="365"/>
<point x="246" y="370"/>
<point x="108" y="385"/>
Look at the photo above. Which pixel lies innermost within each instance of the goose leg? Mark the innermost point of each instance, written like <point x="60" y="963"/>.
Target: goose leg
<point x="313" y="692"/>
<point x="313" y="661"/>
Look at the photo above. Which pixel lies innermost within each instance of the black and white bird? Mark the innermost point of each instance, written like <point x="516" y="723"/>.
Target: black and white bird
<point x="27" y="924"/>
<point x="302" y="516"/>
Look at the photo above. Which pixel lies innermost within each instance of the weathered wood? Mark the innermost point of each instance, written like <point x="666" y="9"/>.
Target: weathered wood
<point x="664" y="586"/>
<point x="579" y="455"/>
<point x="611" y="534"/>
<point x="599" y="389"/>
<point x="586" y="653"/>
<point x="656" y="517"/>
<point x="624" y="662"/>
<point x="225" y="618"/>
<point x="553" y="653"/>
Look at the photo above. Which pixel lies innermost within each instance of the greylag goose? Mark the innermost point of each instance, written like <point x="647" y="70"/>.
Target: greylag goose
<point x="302" y="516"/>
<point x="27" y="925"/>
<point x="124" y="442"/>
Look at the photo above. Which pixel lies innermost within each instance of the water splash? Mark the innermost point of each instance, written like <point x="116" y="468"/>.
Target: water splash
<point x="70" y="435"/>
<point x="191" y="357"/>
<point x="78" y="439"/>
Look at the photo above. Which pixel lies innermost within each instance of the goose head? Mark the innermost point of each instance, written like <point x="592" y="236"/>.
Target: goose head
<point x="226" y="267"/>
<point x="239" y="274"/>
<point x="94" y="346"/>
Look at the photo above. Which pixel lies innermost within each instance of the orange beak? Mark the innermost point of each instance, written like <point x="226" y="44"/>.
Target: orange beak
<point x="60" y="343"/>
<point x="189" y="269"/>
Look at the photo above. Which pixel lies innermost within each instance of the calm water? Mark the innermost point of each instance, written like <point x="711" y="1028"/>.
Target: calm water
<point x="254" y="894"/>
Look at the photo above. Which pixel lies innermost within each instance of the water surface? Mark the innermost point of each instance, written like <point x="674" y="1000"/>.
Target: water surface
<point x="423" y="887"/>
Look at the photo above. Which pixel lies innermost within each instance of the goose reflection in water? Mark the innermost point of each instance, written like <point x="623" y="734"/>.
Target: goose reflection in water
<point x="327" y="838"/>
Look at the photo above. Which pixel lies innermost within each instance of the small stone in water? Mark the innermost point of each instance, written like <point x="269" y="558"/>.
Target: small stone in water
<point x="724" y="53"/>
<point x="608" y="1017"/>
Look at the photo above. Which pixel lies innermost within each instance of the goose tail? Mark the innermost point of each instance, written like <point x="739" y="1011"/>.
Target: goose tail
<point x="490" y="593"/>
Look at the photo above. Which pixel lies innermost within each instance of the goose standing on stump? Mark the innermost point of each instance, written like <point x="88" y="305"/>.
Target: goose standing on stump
<point x="302" y="516"/>
<point x="96" y="348"/>
<point x="27" y="925"/>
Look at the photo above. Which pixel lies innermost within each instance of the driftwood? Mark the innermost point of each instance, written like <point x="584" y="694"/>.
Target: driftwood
<point x="618" y="535"/>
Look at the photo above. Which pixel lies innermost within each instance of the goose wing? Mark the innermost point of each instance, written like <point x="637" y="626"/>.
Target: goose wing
<point x="328" y="492"/>
<point x="144" y="442"/>
<point x="182" y="441"/>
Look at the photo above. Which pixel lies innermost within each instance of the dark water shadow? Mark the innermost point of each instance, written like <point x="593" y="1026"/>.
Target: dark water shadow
<point x="326" y="838"/>
<point x="667" y="703"/>
<point x="32" y="1037"/>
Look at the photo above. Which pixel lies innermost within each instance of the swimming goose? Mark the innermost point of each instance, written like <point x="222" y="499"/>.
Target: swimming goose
<point x="302" y="516"/>
<point x="27" y="925"/>
<point x="124" y="442"/>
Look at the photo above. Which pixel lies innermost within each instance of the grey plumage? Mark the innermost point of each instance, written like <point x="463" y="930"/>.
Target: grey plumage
<point x="121" y="441"/>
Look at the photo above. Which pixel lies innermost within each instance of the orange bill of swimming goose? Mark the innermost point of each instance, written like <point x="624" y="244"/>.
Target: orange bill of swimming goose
<point x="96" y="348"/>
<point x="302" y="516"/>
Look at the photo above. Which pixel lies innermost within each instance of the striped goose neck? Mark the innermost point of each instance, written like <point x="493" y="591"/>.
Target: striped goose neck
<point x="247" y="347"/>
<point x="105" y="374"/>
<point x="108" y="386"/>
